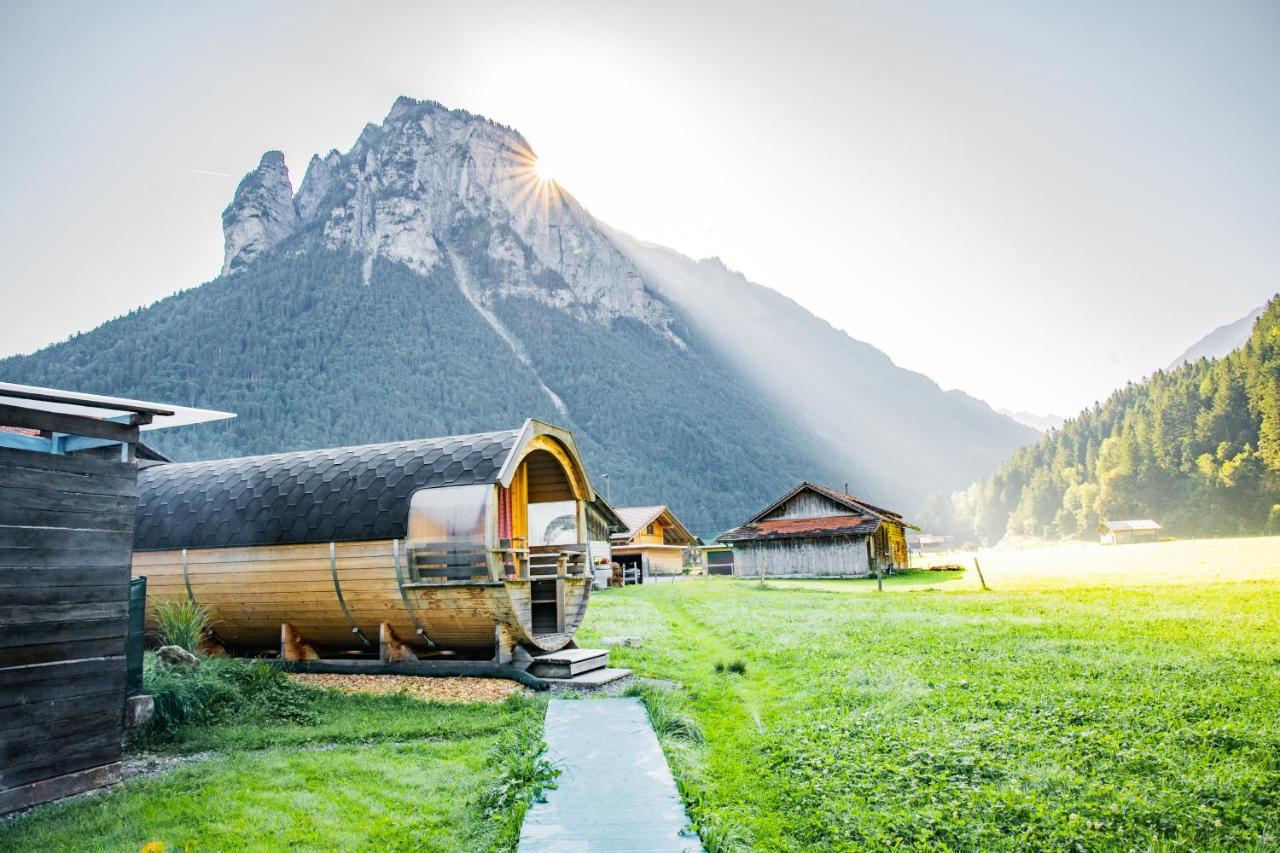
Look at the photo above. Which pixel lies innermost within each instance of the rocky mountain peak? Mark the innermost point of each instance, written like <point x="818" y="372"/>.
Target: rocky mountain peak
<point x="260" y="215"/>
<point x="432" y="186"/>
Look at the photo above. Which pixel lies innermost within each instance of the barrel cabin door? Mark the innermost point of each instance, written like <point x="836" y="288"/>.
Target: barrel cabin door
<point x="541" y="516"/>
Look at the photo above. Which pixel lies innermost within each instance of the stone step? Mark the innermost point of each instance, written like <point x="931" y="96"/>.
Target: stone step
<point x="569" y="663"/>
<point x="594" y="678"/>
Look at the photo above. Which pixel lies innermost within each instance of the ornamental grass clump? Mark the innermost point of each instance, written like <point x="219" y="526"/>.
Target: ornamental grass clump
<point x="183" y="623"/>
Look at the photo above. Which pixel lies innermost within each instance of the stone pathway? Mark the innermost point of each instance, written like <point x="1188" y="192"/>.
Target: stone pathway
<point x="615" y="792"/>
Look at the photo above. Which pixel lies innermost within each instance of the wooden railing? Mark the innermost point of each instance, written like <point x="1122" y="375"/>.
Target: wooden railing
<point x="448" y="562"/>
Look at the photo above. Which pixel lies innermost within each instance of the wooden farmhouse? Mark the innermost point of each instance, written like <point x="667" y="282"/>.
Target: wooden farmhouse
<point x="1127" y="532"/>
<point x="70" y="653"/>
<point x="818" y="532"/>
<point x="477" y="545"/>
<point x="653" y="543"/>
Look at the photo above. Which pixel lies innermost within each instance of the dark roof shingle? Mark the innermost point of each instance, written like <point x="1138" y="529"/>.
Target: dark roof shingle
<point x="339" y="494"/>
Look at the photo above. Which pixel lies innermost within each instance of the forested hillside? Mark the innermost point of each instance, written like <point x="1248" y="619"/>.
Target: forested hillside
<point x="1196" y="448"/>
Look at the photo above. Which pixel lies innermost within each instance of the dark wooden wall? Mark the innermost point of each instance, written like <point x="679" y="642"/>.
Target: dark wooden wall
<point x="66" y="536"/>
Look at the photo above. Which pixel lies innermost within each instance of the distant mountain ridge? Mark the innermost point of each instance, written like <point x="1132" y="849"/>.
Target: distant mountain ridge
<point x="1220" y="341"/>
<point x="426" y="282"/>
<point x="1040" y="423"/>
<point x="1196" y="448"/>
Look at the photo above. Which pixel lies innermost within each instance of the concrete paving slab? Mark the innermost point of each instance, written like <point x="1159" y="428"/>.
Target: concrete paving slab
<point x="615" y="792"/>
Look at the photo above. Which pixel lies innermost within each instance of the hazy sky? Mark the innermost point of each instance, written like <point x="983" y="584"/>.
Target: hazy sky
<point x="1031" y="201"/>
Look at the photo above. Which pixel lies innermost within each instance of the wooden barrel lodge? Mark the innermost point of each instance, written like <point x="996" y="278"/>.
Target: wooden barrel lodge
<point x="412" y="546"/>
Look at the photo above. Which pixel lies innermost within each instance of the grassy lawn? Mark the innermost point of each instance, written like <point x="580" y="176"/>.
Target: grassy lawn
<point x="371" y="773"/>
<point x="1077" y="706"/>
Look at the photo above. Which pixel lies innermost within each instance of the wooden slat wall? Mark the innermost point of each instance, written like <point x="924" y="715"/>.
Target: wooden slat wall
<point x="66" y="530"/>
<point x="253" y="590"/>
<point x="809" y="504"/>
<point x="828" y="557"/>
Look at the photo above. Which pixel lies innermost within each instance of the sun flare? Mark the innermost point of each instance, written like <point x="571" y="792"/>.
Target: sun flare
<point x="542" y="169"/>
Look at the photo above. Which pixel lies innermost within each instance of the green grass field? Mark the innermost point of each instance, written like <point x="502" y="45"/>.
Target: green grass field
<point x="374" y="773"/>
<point x="1095" y="699"/>
<point x="1098" y="698"/>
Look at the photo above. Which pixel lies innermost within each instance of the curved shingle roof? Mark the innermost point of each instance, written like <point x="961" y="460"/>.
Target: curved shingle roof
<point x="340" y="494"/>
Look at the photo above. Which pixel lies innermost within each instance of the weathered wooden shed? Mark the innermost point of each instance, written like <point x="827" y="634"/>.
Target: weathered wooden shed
<point x="1128" y="531"/>
<point x="818" y="532"/>
<point x="403" y="549"/>
<point x="653" y="543"/>
<point x="67" y="491"/>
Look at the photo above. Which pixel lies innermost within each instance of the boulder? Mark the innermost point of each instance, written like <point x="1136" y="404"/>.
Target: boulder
<point x="169" y="656"/>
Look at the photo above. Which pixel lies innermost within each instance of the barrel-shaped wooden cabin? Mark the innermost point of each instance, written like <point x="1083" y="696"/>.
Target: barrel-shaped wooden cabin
<point x="420" y="546"/>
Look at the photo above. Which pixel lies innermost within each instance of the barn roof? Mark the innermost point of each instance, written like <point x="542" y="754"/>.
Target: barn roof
<point x="636" y="518"/>
<point x="1131" y="524"/>
<point x="800" y="528"/>
<point x="857" y="506"/>
<point x="339" y="494"/>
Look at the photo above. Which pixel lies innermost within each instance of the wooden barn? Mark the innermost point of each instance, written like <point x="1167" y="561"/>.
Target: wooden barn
<point x="1130" y="531"/>
<point x="653" y="543"/>
<point x="818" y="532"/>
<point x="473" y="544"/>
<point x="68" y="480"/>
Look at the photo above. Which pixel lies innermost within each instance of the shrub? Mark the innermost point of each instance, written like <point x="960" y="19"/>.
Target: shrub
<point x="223" y="689"/>
<point x="183" y="623"/>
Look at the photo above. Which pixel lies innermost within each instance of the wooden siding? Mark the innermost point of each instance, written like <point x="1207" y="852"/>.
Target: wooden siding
<point x="66" y="529"/>
<point x="808" y="504"/>
<point x="254" y="590"/>
<point x="826" y="557"/>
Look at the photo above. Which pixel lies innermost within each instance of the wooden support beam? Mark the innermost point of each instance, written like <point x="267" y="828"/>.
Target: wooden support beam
<point x="211" y="646"/>
<point x="68" y="424"/>
<point x="292" y="647"/>
<point x="390" y="649"/>
<point x="504" y="645"/>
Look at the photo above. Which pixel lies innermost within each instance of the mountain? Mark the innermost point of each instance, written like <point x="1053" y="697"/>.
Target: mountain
<point x="1196" y="448"/>
<point x="1039" y="423"/>
<point x="426" y="282"/>
<point x="1220" y="341"/>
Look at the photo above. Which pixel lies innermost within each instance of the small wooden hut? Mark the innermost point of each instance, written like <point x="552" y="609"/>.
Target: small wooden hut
<point x="1129" y="531"/>
<point x="403" y="549"/>
<point x="652" y="544"/>
<point x="68" y="469"/>
<point x="717" y="559"/>
<point x="818" y="532"/>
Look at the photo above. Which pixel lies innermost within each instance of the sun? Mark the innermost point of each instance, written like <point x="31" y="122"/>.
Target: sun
<point x="542" y="168"/>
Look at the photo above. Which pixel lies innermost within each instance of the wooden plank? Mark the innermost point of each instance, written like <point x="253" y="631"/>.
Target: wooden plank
<point x="51" y="632"/>
<point x="82" y="684"/>
<point x="48" y="756"/>
<point x="66" y="481"/>
<point x="14" y="742"/>
<point x="13" y="677"/>
<point x="61" y="556"/>
<point x="108" y="519"/>
<point x="70" y="424"/>
<point x="118" y="543"/>
<point x="58" y="787"/>
<point x="271" y="553"/>
<point x="56" y="593"/>
<point x="97" y="466"/>
<point x="50" y="499"/>
<point x="42" y="614"/>
<point x="61" y="651"/>
<point x="47" y="712"/>
<point x="55" y="759"/>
